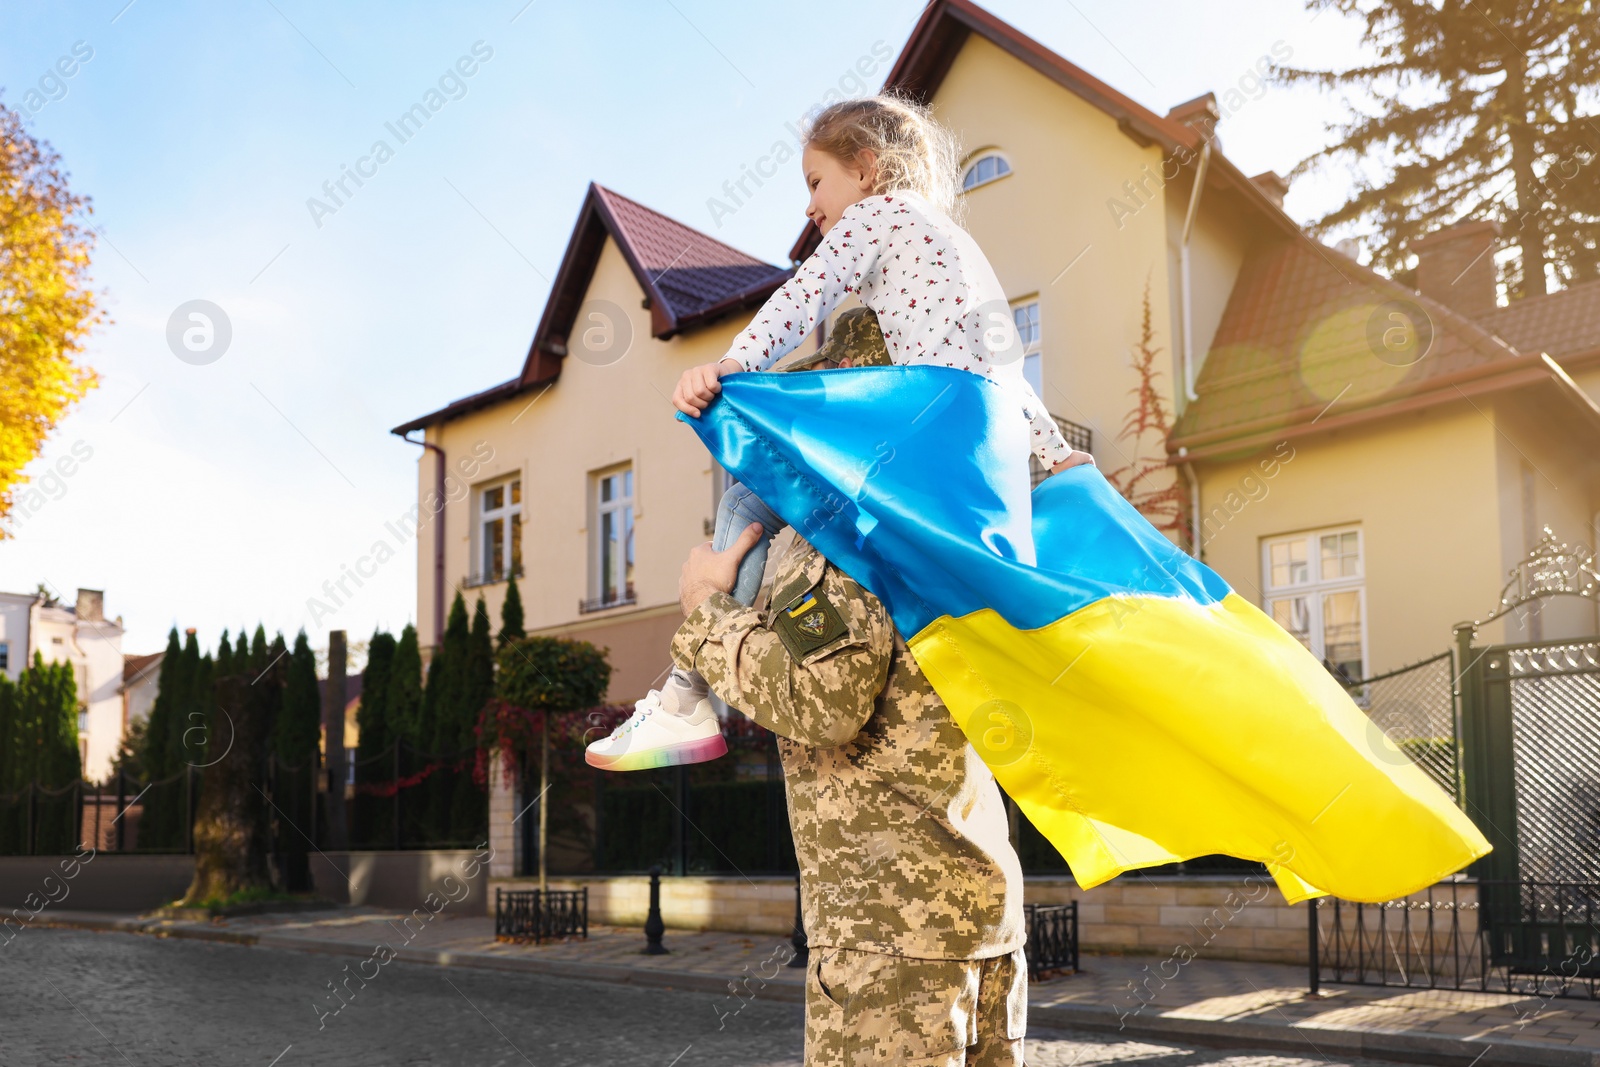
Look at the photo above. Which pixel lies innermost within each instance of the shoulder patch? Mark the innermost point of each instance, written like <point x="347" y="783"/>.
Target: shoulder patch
<point x="808" y="622"/>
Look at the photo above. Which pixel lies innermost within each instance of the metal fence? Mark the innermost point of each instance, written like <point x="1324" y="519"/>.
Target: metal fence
<point x="1052" y="945"/>
<point x="1522" y="937"/>
<point x="400" y="798"/>
<point x="540" y="914"/>
<point x="1414" y="707"/>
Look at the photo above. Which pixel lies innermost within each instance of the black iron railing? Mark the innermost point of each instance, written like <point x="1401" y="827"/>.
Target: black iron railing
<point x="1052" y="938"/>
<point x="540" y="914"/>
<point x="1521" y="937"/>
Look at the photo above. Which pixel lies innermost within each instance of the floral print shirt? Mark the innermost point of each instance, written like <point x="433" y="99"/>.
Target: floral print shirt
<point x="937" y="299"/>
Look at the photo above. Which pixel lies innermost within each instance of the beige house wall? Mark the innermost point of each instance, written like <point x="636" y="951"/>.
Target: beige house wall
<point x="1421" y="487"/>
<point x="593" y="418"/>
<point x="1068" y="158"/>
<point x="1544" y="480"/>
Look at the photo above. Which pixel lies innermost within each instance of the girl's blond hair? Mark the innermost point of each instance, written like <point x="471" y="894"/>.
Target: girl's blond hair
<point x="912" y="150"/>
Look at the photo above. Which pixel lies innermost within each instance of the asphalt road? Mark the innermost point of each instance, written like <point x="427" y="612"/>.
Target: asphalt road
<point x="76" y="997"/>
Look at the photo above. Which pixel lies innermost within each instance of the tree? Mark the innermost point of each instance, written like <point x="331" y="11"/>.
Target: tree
<point x="404" y="698"/>
<point x="511" y="614"/>
<point x="224" y="656"/>
<point x="1147" y="480"/>
<point x="445" y="696"/>
<point x="374" y="728"/>
<point x="175" y="741"/>
<point x="46" y="306"/>
<point x="231" y="828"/>
<point x="299" y="725"/>
<point x="477" y="682"/>
<point x="294" y="745"/>
<point x="1473" y="111"/>
<point x="538" y="677"/>
<point x="38" y="755"/>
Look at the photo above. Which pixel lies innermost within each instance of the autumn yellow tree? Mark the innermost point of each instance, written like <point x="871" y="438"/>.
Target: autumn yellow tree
<point x="47" y="307"/>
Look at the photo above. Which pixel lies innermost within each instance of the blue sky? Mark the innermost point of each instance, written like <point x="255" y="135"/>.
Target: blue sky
<point x="221" y="494"/>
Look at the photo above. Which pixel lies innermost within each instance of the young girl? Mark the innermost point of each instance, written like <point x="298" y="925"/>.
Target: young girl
<point x="883" y="179"/>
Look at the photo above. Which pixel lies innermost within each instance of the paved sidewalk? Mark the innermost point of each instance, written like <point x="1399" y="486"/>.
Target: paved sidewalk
<point x="1213" y="1002"/>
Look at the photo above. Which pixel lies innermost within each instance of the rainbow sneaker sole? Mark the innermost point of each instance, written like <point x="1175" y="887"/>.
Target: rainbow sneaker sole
<point x="700" y="750"/>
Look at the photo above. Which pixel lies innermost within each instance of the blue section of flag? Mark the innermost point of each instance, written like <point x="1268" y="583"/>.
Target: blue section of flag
<point x="914" y="481"/>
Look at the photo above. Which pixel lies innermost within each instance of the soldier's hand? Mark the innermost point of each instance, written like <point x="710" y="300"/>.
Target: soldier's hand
<point x="708" y="571"/>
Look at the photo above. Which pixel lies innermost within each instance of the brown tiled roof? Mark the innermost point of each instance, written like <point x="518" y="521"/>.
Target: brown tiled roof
<point x="944" y="28"/>
<point x="690" y="278"/>
<point x="1563" y="324"/>
<point x="133" y="667"/>
<point x="1298" y="351"/>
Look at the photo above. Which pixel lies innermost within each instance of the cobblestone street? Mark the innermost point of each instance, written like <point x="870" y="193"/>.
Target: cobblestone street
<point x="74" y="996"/>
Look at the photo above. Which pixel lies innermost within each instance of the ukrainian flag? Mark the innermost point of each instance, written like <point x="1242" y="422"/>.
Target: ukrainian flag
<point x="1137" y="709"/>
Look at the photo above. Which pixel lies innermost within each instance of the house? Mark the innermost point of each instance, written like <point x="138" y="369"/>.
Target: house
<point x="1408" y="475"/>
<point x="1363" y="460"/>
<point x="141" y="681"/>
<point x="81" y="635"/>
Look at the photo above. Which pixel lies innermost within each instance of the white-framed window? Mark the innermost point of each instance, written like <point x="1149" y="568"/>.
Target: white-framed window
<point x="611" y="520"/>
<point x="5" y="656"/>
<point x="1025" y="313"/>
<point x="1315" y="588"/>
<point x="499" y="531"/>
<point x="989" y="166"/>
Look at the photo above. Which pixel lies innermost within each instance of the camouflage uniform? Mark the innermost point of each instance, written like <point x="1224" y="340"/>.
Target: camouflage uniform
<point x="854" y="340"/>
<point x="910" y="890"/>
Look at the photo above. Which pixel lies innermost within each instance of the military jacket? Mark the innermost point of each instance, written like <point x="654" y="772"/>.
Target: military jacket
<point x="899" y="827"/>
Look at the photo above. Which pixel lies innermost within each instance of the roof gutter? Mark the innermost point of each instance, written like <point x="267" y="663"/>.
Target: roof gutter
<point x="1185" y="286"/>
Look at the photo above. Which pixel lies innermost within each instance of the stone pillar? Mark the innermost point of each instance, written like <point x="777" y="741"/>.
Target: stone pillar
<point x="504" y="837"/>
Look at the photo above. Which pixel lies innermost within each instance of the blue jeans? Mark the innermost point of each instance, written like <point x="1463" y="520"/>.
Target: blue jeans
<point x="738" y="509"/>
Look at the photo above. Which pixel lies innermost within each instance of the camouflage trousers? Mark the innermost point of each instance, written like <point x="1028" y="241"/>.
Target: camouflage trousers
<point x="867" y="1008"/>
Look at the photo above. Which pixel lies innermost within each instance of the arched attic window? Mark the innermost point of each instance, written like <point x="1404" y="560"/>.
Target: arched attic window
<point x="989" y="165"/>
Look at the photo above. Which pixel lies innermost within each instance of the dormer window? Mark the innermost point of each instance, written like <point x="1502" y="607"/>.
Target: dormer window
<point x="988" y="167"/>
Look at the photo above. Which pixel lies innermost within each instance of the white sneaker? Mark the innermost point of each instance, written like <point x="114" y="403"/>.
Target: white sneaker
<point x="659" y="735"/>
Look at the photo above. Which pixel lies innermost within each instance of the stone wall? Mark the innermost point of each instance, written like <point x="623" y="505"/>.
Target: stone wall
<point x="1220" y="918"/>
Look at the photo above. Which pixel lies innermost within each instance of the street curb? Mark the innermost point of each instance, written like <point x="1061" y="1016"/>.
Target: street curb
<point x="1409" y="1048"/>
<point x="614" y="974"/>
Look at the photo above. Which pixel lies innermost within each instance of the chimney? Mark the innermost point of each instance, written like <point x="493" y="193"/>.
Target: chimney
<point x="1273" y="184"/>
<point x="1200" y="114"/>
<point x="1455" y="266"/>
<point x="91" y="605"/>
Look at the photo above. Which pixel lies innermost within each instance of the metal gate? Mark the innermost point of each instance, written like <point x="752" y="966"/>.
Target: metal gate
<point x="1524" y="763"/>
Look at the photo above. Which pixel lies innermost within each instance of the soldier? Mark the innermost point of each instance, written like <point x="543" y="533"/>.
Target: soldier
<point x="910" y="889"/>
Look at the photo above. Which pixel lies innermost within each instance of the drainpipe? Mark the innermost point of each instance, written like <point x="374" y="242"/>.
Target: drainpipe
<point x="438" y="536"/>
<point x="1194" y="499"/>
<point x="1185" y="294"/>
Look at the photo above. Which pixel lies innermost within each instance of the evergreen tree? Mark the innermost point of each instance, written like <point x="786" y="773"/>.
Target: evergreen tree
<point x="404" y="690"/>
<point x="511" y="614"/>
<point x="13" y="805"/>
<point x="198" y="722"/>
<point x="258" y="651"/>
<point x="224" y="667"/>
<point x="1474" y="111"/>
<point x="374" y="728"/>
<point x="478" y="677"/>
<point x="241" y="649"/>
<point x="299" y="725"/>
<point x="158" y="757"/>
<point x="444" y="699"/>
